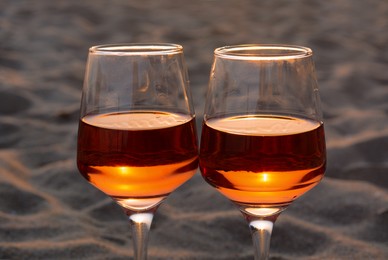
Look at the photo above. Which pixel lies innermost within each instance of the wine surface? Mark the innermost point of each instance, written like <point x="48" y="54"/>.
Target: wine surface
<point x="139" y="154"/>
<point x="262" y="160"/>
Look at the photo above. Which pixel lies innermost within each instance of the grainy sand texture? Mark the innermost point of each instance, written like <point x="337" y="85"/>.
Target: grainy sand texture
<point x="48" y="211"/>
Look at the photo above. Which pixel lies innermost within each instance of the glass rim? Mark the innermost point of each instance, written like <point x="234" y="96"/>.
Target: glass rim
<point x="129" y="49"/>
<point x="263" y="52"/>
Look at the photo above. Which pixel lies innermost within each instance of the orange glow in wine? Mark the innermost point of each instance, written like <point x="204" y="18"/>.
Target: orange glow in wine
<point x="262" y="160"/>
<point x="137" y="154"/>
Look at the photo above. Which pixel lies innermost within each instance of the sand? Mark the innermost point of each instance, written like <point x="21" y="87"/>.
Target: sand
<point x="48" y="211"/>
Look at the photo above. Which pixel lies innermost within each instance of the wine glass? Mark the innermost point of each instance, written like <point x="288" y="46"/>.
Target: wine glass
<point x="137" y="138"/>
<point x="262" y="142"/>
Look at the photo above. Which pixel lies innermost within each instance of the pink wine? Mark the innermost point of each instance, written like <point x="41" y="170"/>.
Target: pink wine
<point x="262" y="160"/>
<point x="137" y="154"/>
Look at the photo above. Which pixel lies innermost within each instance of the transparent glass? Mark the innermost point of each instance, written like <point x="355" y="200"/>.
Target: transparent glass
<point x="263" y="141"/>
<point x="137" y="138"/>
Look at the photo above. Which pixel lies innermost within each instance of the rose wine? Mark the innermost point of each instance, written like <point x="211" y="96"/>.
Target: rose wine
<point x="262" y="160"/>
<point x="138" y="154"/>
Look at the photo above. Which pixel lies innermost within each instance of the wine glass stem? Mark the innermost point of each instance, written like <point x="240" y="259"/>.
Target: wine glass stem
<point x="261" y="231"/>
<point x="140" y="225"/>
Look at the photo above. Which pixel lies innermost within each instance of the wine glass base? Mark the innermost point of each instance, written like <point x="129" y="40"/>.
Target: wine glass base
<point x="140" y="204"/>
<point x="262" y="211"/>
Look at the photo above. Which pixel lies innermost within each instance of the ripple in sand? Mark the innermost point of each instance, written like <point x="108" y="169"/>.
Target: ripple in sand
<point x="19" y="234"/>
<point x="9" y="135"/>
<point x="374" y="174"/>
<point x="376" y="228"/>
<point x="109" y="211"/>
<point x="58" y="250"/>
<point x="293" y="240"/>
<point x="18" y="202"/>
<point x="346" y="214"/>
<point x="12" y="103"/>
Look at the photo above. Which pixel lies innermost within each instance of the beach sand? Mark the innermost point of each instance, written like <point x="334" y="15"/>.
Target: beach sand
<point x="48" y="211"/>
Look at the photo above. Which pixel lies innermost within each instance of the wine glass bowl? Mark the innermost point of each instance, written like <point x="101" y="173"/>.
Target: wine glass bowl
<point x="124" y="155"/>
<point x="266" y="159"/>
<point x="262" y="142"/>
<point x="137" y="138"/>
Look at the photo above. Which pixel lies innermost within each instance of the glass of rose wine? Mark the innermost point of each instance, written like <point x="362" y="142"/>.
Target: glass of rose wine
<point x="137" y="138"/>
<point x="263" y="141"/>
